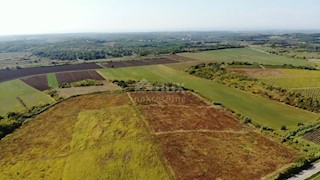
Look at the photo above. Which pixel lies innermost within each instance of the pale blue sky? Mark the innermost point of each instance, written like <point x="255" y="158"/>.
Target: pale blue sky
<point x="67" y="16"/>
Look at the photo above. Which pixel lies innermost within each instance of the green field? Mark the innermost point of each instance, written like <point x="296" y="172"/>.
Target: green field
<point x="10" y="90"/>
<point x="52" y="80"/>
<point x="294" y="78"/>
<point x="244" y="55"/>
<point x="261" y="110"/>
<point x="295" y="82"/>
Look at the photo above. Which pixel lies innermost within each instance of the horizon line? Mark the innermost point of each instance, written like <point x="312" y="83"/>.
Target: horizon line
<point x="168" y="31"/>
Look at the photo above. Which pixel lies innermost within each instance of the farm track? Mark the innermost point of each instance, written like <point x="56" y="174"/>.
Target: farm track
<point x="258" y="50"/>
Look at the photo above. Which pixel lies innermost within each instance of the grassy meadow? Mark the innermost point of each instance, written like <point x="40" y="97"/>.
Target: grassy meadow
<point x="244" y="55"/>
<point x="261" y="110"/>
<point x="52" y="80"/>
<point x="13" y="90"/>
<point x="294" y="78"/>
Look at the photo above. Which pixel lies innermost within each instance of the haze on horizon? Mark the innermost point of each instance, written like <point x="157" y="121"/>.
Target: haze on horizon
<point x="71" y="16"/>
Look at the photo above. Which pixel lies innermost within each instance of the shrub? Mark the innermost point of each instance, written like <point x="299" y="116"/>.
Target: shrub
<point x="65" y="85"/>
<point x="283" y="128"/>
<point x="87" y="82"/>
<point x="217" y="103"/>
<point x="7" y="126"/>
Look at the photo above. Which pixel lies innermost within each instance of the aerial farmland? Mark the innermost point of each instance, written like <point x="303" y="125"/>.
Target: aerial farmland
<point x="159" y="90"/>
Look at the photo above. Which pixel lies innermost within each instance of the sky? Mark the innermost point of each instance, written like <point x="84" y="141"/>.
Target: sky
<point x="75" y="16"/>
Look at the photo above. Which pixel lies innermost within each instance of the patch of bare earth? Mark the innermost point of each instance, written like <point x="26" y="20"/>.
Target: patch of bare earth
<point x="201" y="142"/>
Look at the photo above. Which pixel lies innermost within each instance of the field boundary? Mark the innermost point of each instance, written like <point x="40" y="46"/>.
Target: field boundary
<point x="167" y="165"/>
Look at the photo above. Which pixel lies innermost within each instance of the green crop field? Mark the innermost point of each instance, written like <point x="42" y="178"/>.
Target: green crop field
<point x="261" y="110"/>
<point x="244" y="55"/>
<point x="306" y="82"/>
<point x="294" y="82"/>
<point x="294" y="78"/>
<point x="12" y="90"/>
<point x="52" y="80"/>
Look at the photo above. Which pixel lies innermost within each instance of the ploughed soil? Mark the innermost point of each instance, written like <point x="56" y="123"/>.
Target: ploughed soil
<point x="138" y="63"/>
<point x="6" y="75"/>
<point x="39" y="82"/>
<point x="69" y="77"/>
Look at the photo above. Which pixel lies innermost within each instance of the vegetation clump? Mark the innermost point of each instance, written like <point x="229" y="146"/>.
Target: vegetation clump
<point x="139" y="86"/>
<point x="83" y="83"/>
<point x="14" y="120"/>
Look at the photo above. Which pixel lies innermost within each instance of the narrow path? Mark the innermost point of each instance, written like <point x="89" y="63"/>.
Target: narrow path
<point x="260" y="51"/>
<point x="307" y="173"/>
<point x="199" y="131"/>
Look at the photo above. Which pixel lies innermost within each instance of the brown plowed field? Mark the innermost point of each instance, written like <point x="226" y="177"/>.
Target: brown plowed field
<point x="201" y="142"/>
<point x="6" y="75"/>
<point x="138" y="63"/>
<point x="69" y="77"/>
<point x="179" y="58"/>
<point x="38" y="82"/>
